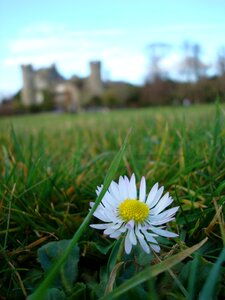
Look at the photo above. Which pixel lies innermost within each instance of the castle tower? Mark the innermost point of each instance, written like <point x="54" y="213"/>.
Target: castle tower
<point x="28" y="85"/>
<point x="94" y="81"/>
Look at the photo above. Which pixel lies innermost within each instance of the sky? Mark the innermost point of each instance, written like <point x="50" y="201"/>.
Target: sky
<point x="71" y="33"/>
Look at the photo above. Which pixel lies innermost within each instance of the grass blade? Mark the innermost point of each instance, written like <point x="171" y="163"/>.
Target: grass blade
<point x="210" y="284"/>
<point x="16" y="144"/>
<point x="192" y="277"/>
<point x="152" y="271"/>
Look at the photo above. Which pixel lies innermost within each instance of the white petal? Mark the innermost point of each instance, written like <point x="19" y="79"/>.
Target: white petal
<point x="142" y="241"/>
<point x="142" y="193"/>
<point x="169" y="213"/>
<point x="106" y="203"/>
<point x="111" y="229"/>
<point x="157" y="197"/>
<point x="107" y="213"/>
<point x="111" y="215"/>
<point x="114" y="191"/>
<point x="104" y="214"/>
<point x="164" y="202"/>
<point x="115" y="234"/>
<point x="153" y="243"/>
<point x="128" y="245"/>
<point x="98" y="190"/>
<point x="130" y="224"/>
<point x="99" y="226"/>
<point x="122" y="189"/>
<point x="127" y="183"/>
<point x="132" y="188"/>
<point x="122" y="229"/>
<point x="92" y="204"/>
<point x="163" y="232"/>
<point x="144" y="245"/>
<point x="156" y="248"/>
<point x="160" y="222"/>
<point x="101" y="216"/>
<point x="109" y="201"/>
<point x="132" y="237"/>
<point x="149" y="237"/>
<point x="152" y="194"/>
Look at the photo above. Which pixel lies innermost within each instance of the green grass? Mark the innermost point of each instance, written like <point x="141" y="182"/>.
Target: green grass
<point x="50" y="166"/>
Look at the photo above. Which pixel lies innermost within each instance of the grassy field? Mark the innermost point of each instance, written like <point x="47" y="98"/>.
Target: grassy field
<point x="50" y="166"/>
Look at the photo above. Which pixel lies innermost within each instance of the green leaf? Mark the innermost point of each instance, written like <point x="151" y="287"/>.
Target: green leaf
<point x="79" y="291"/>
<point x="52" y="294"/>
<point x="142" y="258"/>
<point x="137" y="293"/>
<point x="152" y="271"/>
<point x="55" y="294"/>
<point x="104" y="249"/>
<point x="51" y="252"/>
<point x="41" y="290"/>
<point x="208" y="290"/>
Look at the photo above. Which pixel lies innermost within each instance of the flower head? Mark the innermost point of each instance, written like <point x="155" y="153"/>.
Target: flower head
<point x="138" y="217"/>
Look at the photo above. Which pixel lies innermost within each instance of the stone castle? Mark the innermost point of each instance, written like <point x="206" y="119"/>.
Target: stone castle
<point x="46" y="84"/>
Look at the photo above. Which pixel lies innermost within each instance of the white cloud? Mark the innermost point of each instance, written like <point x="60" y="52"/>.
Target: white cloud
<point x="183" y="28"/>
<point x="47" y="29"/>
<point x="121" y="51"/>
<point x="128" y="67"/>
<point x="44" y="28"/>
<point x="72" y="50"/>
<point x="171" y="62"/>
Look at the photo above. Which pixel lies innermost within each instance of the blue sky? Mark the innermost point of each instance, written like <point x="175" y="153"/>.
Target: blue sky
<point x="70" y="33"/>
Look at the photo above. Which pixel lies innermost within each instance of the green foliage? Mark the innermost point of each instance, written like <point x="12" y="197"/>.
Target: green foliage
<point x="54" y="294"/>
<point x="150" y="272"/>
<point x="65" y="280"/>
<point x="51" y="252"/>
<point x="209" y="289"/>
<point x="50" y="166"/>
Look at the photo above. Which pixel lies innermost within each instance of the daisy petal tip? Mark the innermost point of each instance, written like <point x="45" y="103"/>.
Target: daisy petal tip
<point x="146" y="249"/>
<point x="133" y="178"/>
<point x="174" y="234"/>
<point x="156" y="185"/>
<point x="128" y="245"/>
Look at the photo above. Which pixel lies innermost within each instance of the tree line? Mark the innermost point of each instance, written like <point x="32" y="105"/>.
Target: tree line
<point x="195" y="84"/>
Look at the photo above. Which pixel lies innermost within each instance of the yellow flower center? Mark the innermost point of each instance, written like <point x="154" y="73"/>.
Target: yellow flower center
<point x="131" y="209"/>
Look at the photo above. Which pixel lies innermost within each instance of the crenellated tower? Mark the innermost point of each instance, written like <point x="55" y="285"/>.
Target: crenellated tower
<point x="28" y="85"/>
<point x="95" y="85"/>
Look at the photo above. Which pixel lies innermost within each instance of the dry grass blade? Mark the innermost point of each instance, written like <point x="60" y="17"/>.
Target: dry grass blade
<point x="112" y="278"/>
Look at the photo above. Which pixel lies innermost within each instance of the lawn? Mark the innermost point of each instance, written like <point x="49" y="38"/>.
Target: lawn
<point x="50" y="166"/>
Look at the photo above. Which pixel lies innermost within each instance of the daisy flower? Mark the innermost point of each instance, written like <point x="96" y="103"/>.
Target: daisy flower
<point x="141" y="218"/>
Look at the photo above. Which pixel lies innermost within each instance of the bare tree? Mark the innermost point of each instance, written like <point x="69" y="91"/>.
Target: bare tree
<point x="192" y="66"/>
<point x="157" y="52"/>
<point x="221" y="61"/>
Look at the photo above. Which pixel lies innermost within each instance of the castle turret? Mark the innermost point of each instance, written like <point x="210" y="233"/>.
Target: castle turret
<point x="28" y="85"/>
<point x="94" y="81"/>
